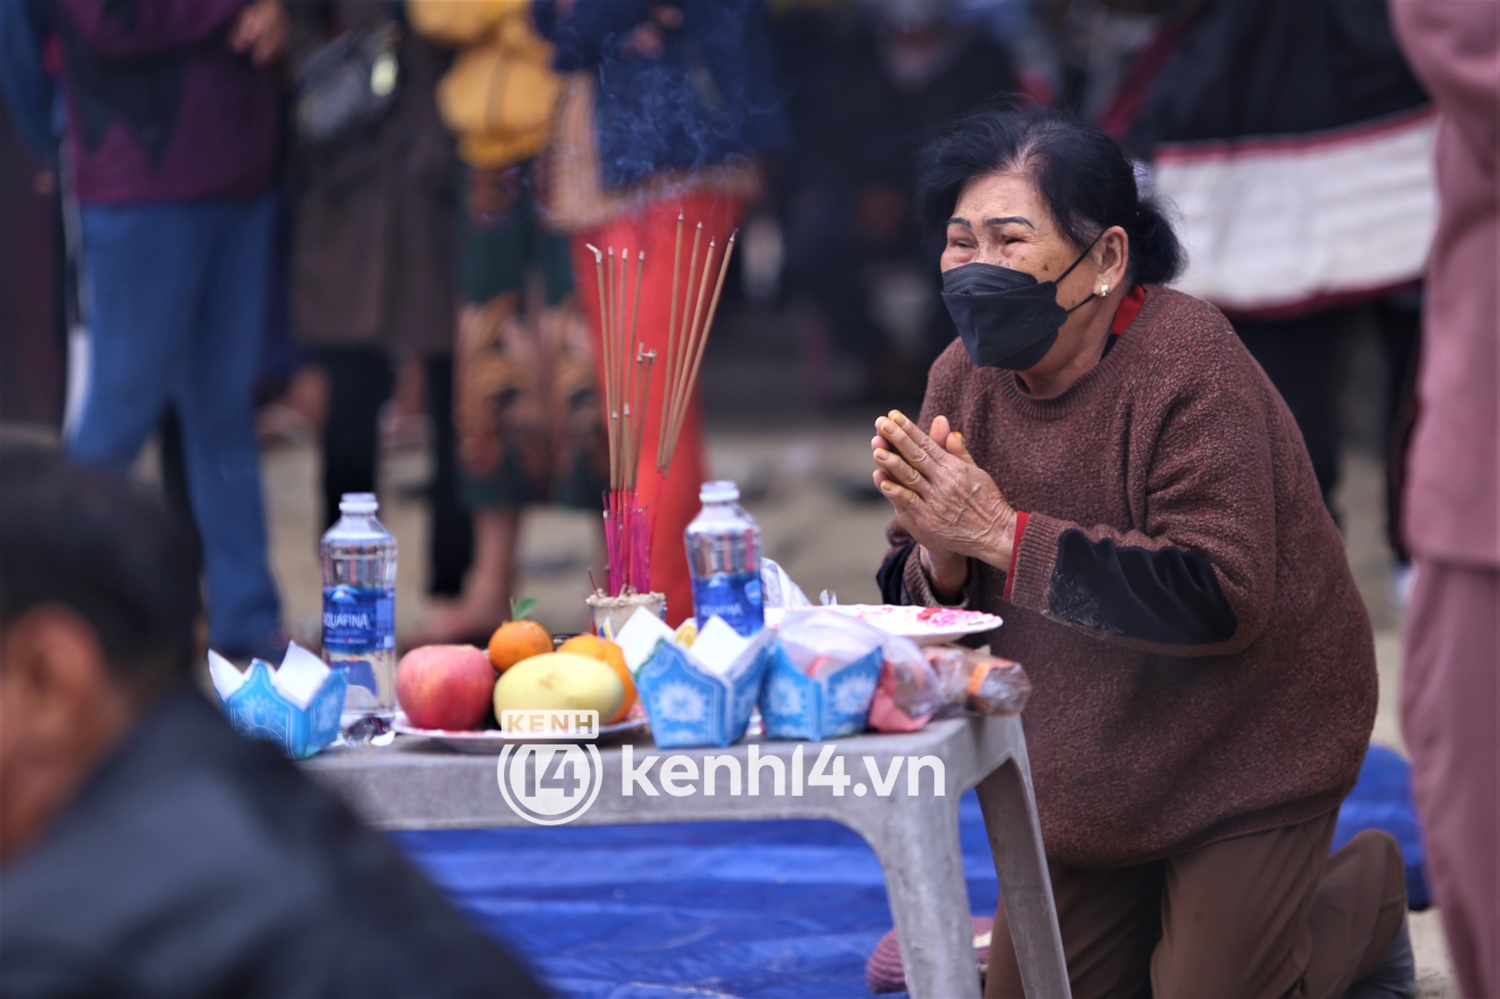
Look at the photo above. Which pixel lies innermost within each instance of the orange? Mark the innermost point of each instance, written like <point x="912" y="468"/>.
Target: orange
<point x="607" y="652"/>
<point x="517" y="640"/>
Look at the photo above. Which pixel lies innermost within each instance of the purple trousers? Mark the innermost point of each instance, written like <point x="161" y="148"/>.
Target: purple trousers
<point x="1450" y="707"/>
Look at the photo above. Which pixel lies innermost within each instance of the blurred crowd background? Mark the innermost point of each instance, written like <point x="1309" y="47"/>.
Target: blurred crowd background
<point x="358" y="231"/>
<point x="445" y="217"/>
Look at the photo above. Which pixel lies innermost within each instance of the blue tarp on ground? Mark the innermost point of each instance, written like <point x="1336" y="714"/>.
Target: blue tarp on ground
<point x="767" y="909"/>
<point x="1382" y="800"/>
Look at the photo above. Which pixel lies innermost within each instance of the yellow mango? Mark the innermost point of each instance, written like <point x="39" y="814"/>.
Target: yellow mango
<point x="560" y="680"/>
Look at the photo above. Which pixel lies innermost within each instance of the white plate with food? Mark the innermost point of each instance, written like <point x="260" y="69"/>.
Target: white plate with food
<point x="923" y="625"/>
<point x="492" y="740"/>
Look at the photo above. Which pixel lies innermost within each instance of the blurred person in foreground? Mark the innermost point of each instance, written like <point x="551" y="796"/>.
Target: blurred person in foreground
<point x="1450" y="698"/>
<point x="172" y="140"/>
<point x="373" y="270"/>
<point x="530" y="430"/>
<point x="146" y="849"/>
<point x="666" y="110"/>
<point x="1100" y="461"/>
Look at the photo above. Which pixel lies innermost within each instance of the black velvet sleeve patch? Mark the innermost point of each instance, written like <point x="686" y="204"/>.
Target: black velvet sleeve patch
<point x="1167" y="595"/>
<point x="892" y="574"/>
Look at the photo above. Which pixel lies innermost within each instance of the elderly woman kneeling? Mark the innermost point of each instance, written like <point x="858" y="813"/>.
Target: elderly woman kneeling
<point x="1101" y="462"/>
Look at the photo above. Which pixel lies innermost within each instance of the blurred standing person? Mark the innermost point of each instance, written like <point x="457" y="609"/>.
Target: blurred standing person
<point x="25" y="85"/>
<point x="666" y="110"/>
<point x="1288" y="135"/>
<point x="857" y="266"/>
<point x="33" y="336"/>
<point x="1097" y="41"/>
<point x="372" y="265"/>
<point x="30" y="78"/>
<point x="1449" y="689"/>
<point x="172" y="138"/>
<point x="529" y="429"/>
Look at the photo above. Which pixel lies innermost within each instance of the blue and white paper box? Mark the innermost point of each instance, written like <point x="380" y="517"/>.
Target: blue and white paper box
<point x="703" y="697"/>
<point x="297" y="706"/>
<point x="835" y="704"/>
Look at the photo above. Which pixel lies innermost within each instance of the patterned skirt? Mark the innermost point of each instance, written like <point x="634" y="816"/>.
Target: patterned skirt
<point x="527" y="411"/>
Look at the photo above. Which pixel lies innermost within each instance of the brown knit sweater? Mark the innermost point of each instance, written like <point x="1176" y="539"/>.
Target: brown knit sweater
<point x="1202" y="663"/>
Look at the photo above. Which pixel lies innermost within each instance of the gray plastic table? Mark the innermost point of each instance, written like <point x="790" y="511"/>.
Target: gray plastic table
<point x="413" y="785"/>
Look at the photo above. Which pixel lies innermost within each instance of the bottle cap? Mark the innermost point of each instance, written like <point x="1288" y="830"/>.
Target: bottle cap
<point x="718" y="492"/>
<point x="358" y="503"/>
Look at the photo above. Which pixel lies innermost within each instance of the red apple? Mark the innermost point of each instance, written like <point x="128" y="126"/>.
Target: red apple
<point x="445" y="686"/>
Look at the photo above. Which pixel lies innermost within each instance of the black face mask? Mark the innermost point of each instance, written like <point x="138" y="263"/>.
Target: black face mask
<point x="1006" y="318"/>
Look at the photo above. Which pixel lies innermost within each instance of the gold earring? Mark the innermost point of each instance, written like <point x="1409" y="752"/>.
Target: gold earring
<point x="1104" y="292"/>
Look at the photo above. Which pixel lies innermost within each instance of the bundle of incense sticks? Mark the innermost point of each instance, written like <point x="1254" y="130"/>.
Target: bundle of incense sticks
<point x="627" y="391"/>
<point x="687" y="337"/>
<point x="627" y="369"/>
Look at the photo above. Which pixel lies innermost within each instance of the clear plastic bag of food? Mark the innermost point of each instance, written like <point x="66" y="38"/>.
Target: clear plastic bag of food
<point x="993" y="685"/>
<point x="817" y="642"/>
<point x="909" y="692"/>
<point x="919" y="683"/>
<point x="822" y="677"/>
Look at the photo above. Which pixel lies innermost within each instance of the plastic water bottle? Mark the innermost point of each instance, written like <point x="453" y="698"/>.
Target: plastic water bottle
<point x="359" y="614"/>
<point x="723" y="550"/>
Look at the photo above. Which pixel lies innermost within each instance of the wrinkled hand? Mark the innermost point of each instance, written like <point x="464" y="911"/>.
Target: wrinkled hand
<point x="945" y="501"/>
<point x="261" y="29"/>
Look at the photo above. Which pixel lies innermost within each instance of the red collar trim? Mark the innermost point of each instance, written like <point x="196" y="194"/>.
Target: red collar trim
<point x="1129" y="307"/>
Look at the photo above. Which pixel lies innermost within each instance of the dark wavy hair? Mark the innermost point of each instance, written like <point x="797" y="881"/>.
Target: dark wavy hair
<point x="1083" y="175"/>
<point x="108" y="549"/>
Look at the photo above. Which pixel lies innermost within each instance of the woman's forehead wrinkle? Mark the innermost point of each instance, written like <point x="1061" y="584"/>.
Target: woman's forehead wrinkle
<point x="1002" y="199"/>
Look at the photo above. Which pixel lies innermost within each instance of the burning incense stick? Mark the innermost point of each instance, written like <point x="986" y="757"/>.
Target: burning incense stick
<point x="635" y="312"/>
<point x="695" y="332"/>
<point x="611" y="363"/>
<point x="643" y="402"/>
<point x="671" y="327"/>
<point x="674" y="374"/>
<point x="612" y="370"/>
<point x="623" y="357"/>
<point x="604" y="327"/>
<point x="713" y="308"/>
<point x="633" y="349"/>
<point x="682" y="373"/>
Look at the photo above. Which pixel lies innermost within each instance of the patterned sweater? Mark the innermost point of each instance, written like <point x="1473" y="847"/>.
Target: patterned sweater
<point x="1203" y="666"/>
<point x="160" y="109"/>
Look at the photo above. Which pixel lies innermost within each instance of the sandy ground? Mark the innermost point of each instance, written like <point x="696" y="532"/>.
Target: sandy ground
<point x="803" y="486"/>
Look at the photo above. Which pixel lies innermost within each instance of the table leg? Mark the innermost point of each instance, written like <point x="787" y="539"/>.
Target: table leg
<point x="1016" y="838"/>
<point x="916" y="840"/>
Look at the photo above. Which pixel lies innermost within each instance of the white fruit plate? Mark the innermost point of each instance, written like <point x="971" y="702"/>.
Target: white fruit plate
<point x="923" y="625"/>
<point x="492" y="740"/>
